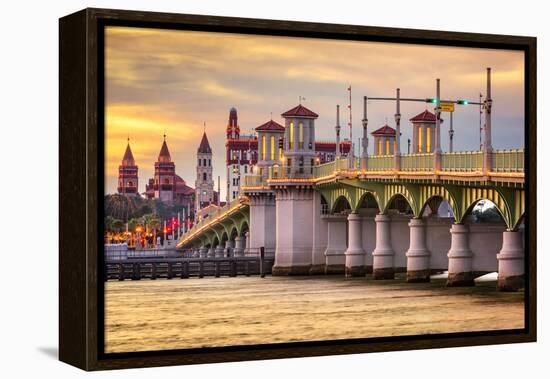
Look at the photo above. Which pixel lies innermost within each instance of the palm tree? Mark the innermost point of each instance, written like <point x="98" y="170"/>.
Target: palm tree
<point x="132" y="224"/>
<point x="118" y="226"/>
<point x="108" y="223"/>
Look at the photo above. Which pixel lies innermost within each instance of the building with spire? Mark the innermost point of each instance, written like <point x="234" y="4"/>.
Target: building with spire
<point x="166" y="185"/>
<point x="241" y="154"/>
<point x="204" y="184"/>
<point x="128" y="174"/>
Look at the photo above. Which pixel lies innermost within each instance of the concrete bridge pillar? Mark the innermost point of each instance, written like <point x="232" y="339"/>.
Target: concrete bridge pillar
<point x="203" y="252"/>
<point x="294" y="231"/>
<point x="218" y="251"/>
<point x="418" y="255"/>
<point x="460" y="258"/>
<point x="355" y="255"/>
<point x="228" y="251"/>
<point x="336" y="245"/>
<point x="211" y="252"/>
<point x="262" y="222"/>
<point x="511" y="267"/>
<point x="240" y="245"/>
<point x="320" y="231"/>
<point x="383" y="254"/>
<point x="246" y="243"/>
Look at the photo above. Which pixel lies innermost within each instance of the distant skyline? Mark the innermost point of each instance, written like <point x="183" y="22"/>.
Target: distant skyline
<point x="162" y="81"/>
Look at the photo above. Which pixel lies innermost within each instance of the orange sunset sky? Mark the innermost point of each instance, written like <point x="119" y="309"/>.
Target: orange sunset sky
<point x="162" y="81"/>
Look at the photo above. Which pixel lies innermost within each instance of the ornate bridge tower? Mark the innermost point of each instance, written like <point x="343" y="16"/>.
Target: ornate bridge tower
<point x="294" y="195"/>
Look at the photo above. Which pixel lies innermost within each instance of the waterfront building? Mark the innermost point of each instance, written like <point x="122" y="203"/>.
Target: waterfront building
<point x="128" y="174"/>
<point x="241" y="155"/>
<point x="166" y="185"/>
<point x="204" y="184"/>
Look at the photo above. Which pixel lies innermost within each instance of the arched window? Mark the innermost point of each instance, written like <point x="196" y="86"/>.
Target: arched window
<point x="380" y="152"/>
<point x="272" y="142"/>
<point x="387" y="147"/>
<point x="291" y="135"/>
<point x="204" y="176"/>
<point x="263" y="148"/>
<point x="204" y="162"/>
<point x="301" y="135"/>
<point x="209" y="163"/>
<point x="199" y="161"/>
<point x="419" y="139"/>
<point x="130" y="184"/>
<point x="428" y="140"/>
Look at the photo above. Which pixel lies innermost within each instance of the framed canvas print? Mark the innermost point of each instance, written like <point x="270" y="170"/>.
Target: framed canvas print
<point x="238" y="189"/>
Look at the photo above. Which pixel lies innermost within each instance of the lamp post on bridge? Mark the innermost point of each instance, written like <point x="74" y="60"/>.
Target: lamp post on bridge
<point x="397" y="148"/>
<point x="365" y="140"/>
<point x="488" y="146"/>
<point x="437" y="151"/>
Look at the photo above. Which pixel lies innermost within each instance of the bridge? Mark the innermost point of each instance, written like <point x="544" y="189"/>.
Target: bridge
<point x="350" y="200"/>
<point x="376" y="214"/>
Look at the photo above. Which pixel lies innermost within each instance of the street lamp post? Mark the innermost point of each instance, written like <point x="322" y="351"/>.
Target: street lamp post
<point x="397" y="148"/>
<point x="365" y="140"/>
<point x="488" y="146"/>
<point x="437" y="151"/>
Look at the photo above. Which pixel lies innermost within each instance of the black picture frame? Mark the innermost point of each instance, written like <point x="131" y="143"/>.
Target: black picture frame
<point x="81" y="187"/>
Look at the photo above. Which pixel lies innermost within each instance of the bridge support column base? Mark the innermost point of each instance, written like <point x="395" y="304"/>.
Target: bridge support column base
<point x="317" y="269"/>
<point x="418" y="276"/>
<point x="383" y="273"/>
<point x="461" y="279"/>
<point x="290" y="270"/>
<point x="511" y="283"/>
<point x="511" y="262"/>
<point x="335" y="269"/>
<point x="355" y="271"/>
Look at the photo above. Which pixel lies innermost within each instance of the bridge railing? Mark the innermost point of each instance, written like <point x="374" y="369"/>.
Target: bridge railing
<point x="285" y="172"/>
<point x="324" y="169"/>
<point x="509" y="160"/>
<point x="213" y="215"/>
<point x="253" y="180"/>
<point x="417" y="162"/>
<point x="342" y="163"/>
<point x="462" y="161"/>
<point x="380" y="162"/>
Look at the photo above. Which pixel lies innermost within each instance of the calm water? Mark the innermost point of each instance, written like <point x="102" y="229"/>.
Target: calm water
<point x="175" y="314"/>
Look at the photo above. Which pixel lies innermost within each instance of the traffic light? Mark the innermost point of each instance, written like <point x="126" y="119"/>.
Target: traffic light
<point x="462" y="102"/>
<point x="280" y="143"/>
<point x="433" y="100"/>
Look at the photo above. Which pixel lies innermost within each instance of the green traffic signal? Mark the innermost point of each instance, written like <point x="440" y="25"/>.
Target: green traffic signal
<point x="433" y="100"/>
<point x="462" y="102"/>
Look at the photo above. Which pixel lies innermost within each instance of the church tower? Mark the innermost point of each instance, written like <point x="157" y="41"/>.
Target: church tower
<point x="128" y="174"/>
<point x="233" y="129"/>
<point x="204" y="185"/>
<point x="165" y="174"/>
